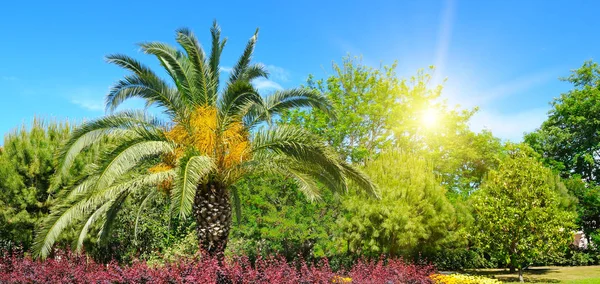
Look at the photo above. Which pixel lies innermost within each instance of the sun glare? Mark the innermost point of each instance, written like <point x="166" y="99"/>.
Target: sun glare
<point x="430" y="118"/>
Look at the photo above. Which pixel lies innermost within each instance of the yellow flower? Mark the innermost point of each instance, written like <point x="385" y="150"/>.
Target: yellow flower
<point x="340" y="279"/>
<point x="461" y="279"/>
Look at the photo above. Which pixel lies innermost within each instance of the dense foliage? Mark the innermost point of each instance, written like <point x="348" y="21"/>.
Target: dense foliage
<point x="569" y="141"/>
<point x="375" y="110"/>
<point x="520" y="214"/>
<point x="69" y="268"/>
<point x="212" y="138"/>
<point x="124" y="186"/>
<point x="26" y="167"/>
<point x="413" y="217"/>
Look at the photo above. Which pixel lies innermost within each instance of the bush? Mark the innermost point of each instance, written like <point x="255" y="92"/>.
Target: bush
<point x="462" y="259"/>
<point x="66" y="267"/>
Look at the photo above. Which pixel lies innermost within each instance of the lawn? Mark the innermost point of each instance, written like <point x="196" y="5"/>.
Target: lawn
<point x="547" y="274"/>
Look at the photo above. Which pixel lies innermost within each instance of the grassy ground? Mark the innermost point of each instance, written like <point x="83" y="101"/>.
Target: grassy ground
<point x="549" y="274"/>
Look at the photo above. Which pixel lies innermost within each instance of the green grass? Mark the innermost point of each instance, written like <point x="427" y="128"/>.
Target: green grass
<point x="548" y="274"/>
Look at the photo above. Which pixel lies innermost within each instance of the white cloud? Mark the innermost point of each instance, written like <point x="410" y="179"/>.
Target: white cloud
<point x="225" y="69"/>
<point x="278" y="73"/>
<point x="89" y="103"/>
<point x="509" y="126"/>
<point x="266" y="85"/>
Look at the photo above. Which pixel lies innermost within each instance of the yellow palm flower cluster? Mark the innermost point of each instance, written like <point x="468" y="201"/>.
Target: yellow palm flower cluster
<point x="229" y="146"/>
<point x="461" y="279"/>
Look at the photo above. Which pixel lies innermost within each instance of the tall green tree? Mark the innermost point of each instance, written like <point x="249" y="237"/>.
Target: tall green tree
<point x="569" y="141"/>
<point x="213" y="137"/>
<point x="412" y="217"/>
<point x="522" y="211"/>
<point x="26" y="166"/>
<point x="376" y="109"/>
<point x="570" y="135"/>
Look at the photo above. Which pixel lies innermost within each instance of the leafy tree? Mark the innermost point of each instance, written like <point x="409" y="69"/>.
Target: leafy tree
<point x="213" y="137"/>
<point x="375" y="110"/>
<point x="521" y="212"/>
<point x="413" y="216"/>
<point x="26" y="168"/>
<point x="363" y="99"/>
<point x="569" y="141"/>
<point x="570" y="134"/>
<point x="277" y="220"/>
<point x="588" y="206"/>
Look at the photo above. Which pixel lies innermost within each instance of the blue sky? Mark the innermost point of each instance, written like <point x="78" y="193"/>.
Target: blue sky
<point x="503" y="56"/>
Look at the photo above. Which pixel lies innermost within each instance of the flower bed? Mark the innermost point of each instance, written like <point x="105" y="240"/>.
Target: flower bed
<point x="69" y="268"/>
<point x="462" y="279"/>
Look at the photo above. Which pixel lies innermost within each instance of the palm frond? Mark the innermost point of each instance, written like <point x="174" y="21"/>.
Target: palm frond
<point x="139" y="211"/>
<point x="196" y="55"/>
<point x="111" y="214"/>
<point x="86" y="227"/>
<point x="71" y="211"/>
<point x="255" y="71"/>
<point x="191" y="172"/>
<point x="127" y="156"/>
<point x="362" y="181"/>
<point x="173" y="62"/>
<point x="299" y="145"/>
<point x="215" y="56"/>
<point x="154" y="92"/>
<point x="298" y="98"/>
<point x="241" y="66"/>
<point x="237" y="99"/>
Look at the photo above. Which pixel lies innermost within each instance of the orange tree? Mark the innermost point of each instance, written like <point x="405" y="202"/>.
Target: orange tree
<point x="212" y="138"/>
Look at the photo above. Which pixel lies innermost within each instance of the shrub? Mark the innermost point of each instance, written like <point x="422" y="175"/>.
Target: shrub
<point x="66" y="267"/>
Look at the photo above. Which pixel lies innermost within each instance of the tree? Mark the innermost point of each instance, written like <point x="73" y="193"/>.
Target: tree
<point x="521" y="211"/>
<point x="26" y="166"/>
<point x="569" y="141"/>
<point x="413" y="216"/>
<point x="363" y="99"/>
<point x="213" y="138"/>
<point x="376" y="110"/>
<point x="277" y="220"/>
<point x="570" y="134"/>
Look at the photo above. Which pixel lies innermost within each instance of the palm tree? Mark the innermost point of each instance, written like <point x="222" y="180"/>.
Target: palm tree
<point x="212" y="138"/>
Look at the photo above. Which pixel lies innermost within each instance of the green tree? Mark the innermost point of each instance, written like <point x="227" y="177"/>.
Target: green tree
<point x="413" y="216"/>
<point x="522" y="211"/>
<point x="213" y="137"/>
<point x="277" y="220"/>
<point x="569" y="141"/>
<point x="376" y="109"/>
<point x="570" y="134"/>
<point x="26" y="167"/>
<point x="363" y="99"/>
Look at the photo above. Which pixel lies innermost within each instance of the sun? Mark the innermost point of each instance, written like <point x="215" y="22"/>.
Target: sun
<point x="430" y="118"/>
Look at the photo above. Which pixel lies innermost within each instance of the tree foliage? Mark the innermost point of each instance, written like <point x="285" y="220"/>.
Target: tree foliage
<point x="569" y="141"/>
<point x="375" y="109"/>
<point x="212" y="138"/>
<point x="521" y="211"/>
<point x="413" y="216"/>
<point x="26" y="167"/>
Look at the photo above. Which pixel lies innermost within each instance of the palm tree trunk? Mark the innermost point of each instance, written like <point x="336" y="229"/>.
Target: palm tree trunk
<point x="212" y="210"/>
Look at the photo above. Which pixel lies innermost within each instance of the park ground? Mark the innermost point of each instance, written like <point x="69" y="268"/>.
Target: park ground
<point x="547" y="274"/>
